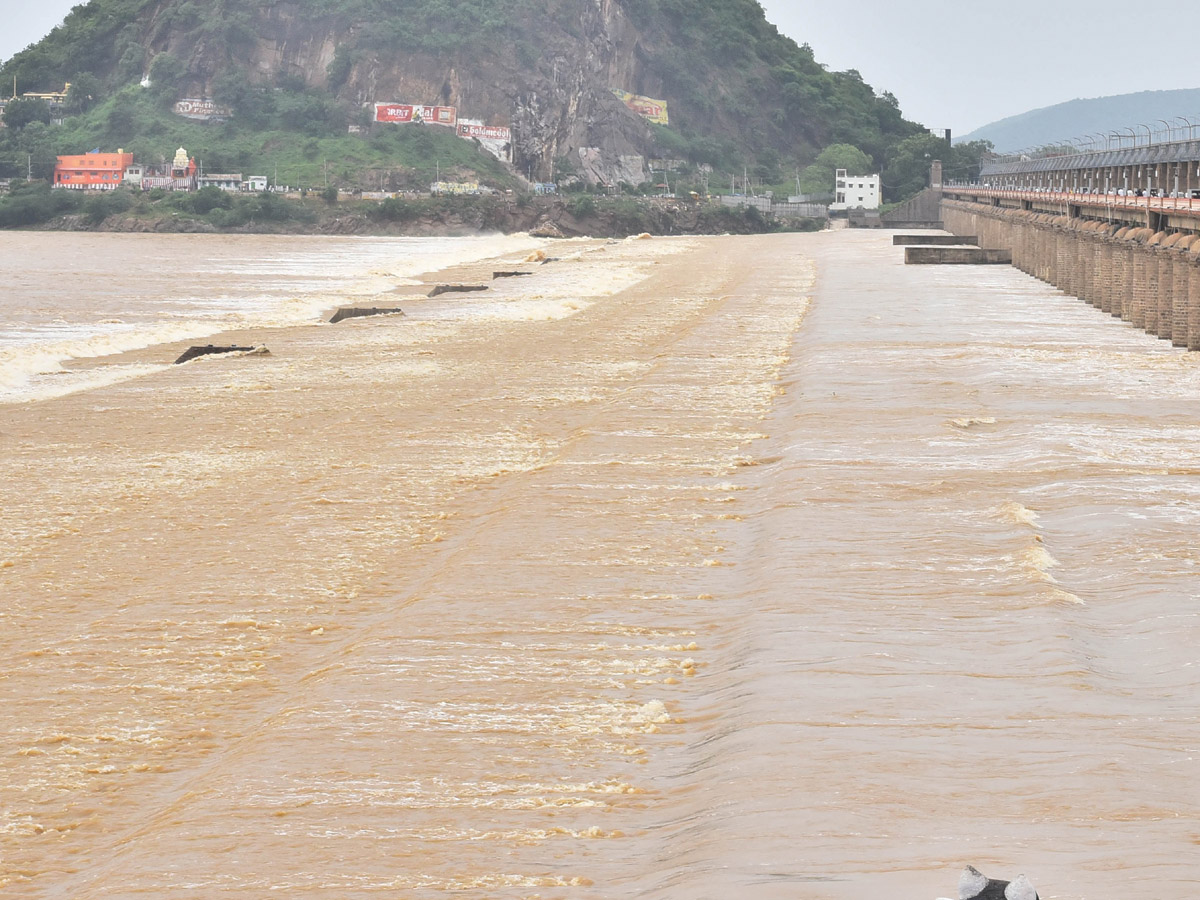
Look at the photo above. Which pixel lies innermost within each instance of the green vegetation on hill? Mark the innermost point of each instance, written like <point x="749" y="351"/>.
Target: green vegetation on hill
<point x="115" y="38"/>
<point x="744" y="98"/>
<point x="722" y="60"/>
<point x="907" y="171"/>
<point x="290" y="152"/>
<point x="31" y="204"/>
<point x="820" y="176"/>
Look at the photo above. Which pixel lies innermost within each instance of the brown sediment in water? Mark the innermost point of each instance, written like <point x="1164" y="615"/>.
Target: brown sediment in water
<point x="689" y="588"/>
<point x="406" y="605"/>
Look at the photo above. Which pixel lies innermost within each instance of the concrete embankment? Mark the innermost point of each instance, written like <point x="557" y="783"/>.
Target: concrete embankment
<point x="1150" y="279"/>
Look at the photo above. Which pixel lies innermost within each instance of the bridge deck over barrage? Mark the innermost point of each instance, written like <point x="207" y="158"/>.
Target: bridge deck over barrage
<point x="1157" y="185"/>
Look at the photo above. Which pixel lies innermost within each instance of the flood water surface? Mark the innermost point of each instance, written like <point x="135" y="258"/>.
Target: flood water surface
<point x="697" y="568"/>
<point x="973" y="622"/>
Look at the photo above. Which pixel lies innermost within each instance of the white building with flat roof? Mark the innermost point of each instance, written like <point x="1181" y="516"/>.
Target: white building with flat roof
<point x="855" y="192"/>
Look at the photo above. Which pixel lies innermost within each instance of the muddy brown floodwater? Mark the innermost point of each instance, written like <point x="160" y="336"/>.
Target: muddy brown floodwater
<point x="707" y="568"/>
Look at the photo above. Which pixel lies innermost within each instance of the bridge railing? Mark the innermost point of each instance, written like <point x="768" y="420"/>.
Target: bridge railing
<point x="1184" y="205"/>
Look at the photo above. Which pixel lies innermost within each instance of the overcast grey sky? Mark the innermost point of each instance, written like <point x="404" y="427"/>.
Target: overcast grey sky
<point x="964" y="63"/>
<point x="952" y="63"/>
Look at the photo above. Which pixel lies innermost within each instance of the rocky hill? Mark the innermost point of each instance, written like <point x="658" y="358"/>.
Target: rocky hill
<point x="739" y="96"/>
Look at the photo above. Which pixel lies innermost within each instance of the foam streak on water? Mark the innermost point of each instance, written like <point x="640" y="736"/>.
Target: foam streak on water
<point x="82" y="296"/>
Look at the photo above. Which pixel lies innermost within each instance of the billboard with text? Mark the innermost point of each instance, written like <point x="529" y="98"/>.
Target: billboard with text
<point x="485" y="132"/>
<point x="495" y="139"/>
<point x="454" y="187"/>
<point x="201" y="109"/>
<point x="646" y="107"/>
<point x="402" y="113"/>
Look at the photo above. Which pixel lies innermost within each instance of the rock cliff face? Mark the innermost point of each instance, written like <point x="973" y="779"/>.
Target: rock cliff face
<point x="740" y="93"/>
<point x="560" y="105"/>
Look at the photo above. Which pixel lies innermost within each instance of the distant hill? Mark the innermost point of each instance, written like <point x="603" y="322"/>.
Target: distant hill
<point x="1076" y="118"/>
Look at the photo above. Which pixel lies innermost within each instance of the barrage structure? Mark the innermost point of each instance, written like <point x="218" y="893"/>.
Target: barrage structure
<point x="1120" y="229"/>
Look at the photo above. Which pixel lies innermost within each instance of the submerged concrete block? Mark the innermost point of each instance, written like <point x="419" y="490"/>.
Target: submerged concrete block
<point x="213" y="349"/>
<point x="457" y="289"/>
<point x="950" y="256"/>
<point x="356" y="312"/>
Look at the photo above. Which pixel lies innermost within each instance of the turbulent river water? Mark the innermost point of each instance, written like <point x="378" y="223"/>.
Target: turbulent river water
<point x="699" y="568"/>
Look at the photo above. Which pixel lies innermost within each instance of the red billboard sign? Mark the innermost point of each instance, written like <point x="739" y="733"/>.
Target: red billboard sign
<point x="401" y="113"/>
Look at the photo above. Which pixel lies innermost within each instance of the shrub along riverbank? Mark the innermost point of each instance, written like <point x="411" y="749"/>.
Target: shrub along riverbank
<point x="35" y="205"/>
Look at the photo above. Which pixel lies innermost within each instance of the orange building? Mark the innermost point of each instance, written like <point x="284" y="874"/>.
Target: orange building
<point x="92" y="171"/>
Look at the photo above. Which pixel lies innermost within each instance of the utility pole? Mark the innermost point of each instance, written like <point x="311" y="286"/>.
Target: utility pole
<point x="326" y="163"/>
<point x="28" y="156"/>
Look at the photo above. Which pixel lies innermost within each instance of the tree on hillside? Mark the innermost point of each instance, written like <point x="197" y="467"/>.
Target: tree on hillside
<point x="34" y="147"/>
<point x="818" y="178"/>
<point x="966" y="159"/>
<point x="907" y="171"/>
<point x="84" y="93"/>
<point x="167" y="74"/>
<point x="19" y="113"/>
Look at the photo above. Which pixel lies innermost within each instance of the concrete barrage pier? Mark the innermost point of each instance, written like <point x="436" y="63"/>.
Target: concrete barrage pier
<point x="1118" y="228"/>
<point x="1149" y="278"/>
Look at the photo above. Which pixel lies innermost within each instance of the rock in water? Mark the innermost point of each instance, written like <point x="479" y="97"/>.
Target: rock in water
<point x="974" y="885"/>
<point x="546" y="230"/>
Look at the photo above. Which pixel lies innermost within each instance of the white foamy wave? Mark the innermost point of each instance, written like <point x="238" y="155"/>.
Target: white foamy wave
<point x="444" y="253"/>
<point x="1018" y="514"/>
<point x="22" y="363"/>
<point x="63" y="382"/>
<point x="45" y="328"/>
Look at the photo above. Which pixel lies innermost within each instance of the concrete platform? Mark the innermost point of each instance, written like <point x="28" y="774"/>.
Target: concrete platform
<point x="956" y="256"/>
<point x="932" y="240"/>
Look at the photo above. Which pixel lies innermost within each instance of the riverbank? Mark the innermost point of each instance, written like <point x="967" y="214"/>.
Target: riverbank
<point x="214" y="212"/>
